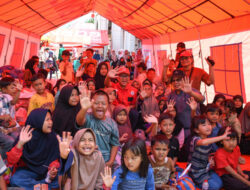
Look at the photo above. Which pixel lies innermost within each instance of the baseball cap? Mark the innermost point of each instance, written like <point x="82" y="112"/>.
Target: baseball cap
<point x="186" y="53"/>
<point x="123" y="70"/>
<point x="66" y="52"/>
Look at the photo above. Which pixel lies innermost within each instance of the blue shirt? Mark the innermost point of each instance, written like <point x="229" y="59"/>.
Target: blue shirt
<point x="106" y="131"/>
<point x="133" y="181"/>
<point x="214" y="133"/>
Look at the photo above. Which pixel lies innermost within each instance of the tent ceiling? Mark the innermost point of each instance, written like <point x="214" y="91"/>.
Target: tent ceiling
<point x="142" y="18"/>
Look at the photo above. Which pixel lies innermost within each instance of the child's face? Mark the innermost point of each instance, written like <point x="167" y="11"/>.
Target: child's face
<point x="160" y="151"/>
<point x="112" y="97"/>
<point x="74" y="98"/>
<point x="131" y="161"/>
<point x="39" y="86"/>
<point x="237" y="103"/>
<point x="121" y="117"/>
<point x="167" y="126"/>
<point x="87" y="144"/>
<point x="161" y="104"/>
<point x="136" y="85"/>
<point x="62" y="85"/>
<point x="229" y="144"/>
<point x="10" y="89"/>
<point x="159" y="90"/>
<point x="148" y="90"/>
<point x="90" y="68"/>
<point x="100" y="106"/>
<point x="204" y="129"/>
<point x="47" y="124"/>
<point x="91" y="86"/>
<point x="151" y="75"/>
<point x="103" y="70"/>
<point x="65" y="57"/>
<point x="213" y="117"/>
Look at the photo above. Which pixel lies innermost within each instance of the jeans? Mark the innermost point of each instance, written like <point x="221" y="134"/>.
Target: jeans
<point x="6" y="142"/>
<point x="214" y="181"/>
<point x="27" y="179"/>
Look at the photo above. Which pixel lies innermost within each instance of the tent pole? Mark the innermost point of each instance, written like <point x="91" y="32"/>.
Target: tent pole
<point x="171" y="53"/>
<point x="156" y="65"/>
<point x="25" y="50"/>
<point x="201" y="56"/>
<point x="9" y="42"/>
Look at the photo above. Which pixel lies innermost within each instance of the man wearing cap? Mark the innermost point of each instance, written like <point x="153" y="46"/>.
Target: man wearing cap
<point x="179" y="49"/>
<point x="193" y="73"/>
<point x="126" y="94"/>
<point x="181" y="94"/>
<point x="66" y="68"/>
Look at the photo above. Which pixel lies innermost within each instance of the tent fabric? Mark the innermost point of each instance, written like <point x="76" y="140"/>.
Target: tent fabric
<point x="142" y="18"/>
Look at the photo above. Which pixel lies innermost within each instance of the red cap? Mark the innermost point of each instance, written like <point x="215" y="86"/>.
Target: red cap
<point x="124" y="70"/>
<point x="186" y="53"/>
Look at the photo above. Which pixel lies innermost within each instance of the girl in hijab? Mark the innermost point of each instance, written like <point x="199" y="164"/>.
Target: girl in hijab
<point x="120" y="115"/>
<point x="36" y="153"/>
<point x="84" y="161"/>
<point x="66" y="109"/>
<point x="101" y="73"/>
<point x="245" y="126"/>
<point x="238" y="101"/>
<point x="159" y="91"/>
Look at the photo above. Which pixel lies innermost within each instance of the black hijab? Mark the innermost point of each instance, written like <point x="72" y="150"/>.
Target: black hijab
<point x="64" y="116"/>
<point x="99" y="79"/>
<point x="43" y="148"/>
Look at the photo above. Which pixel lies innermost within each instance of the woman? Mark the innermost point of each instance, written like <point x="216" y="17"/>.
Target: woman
<point x="30" y="71"/>
<point x="101" y="73"/>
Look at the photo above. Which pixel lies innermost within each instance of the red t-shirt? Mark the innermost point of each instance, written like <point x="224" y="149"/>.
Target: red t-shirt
<point x="223" y="159"/>
<point x="197" y="75"/>
<point x="126" y="96"/>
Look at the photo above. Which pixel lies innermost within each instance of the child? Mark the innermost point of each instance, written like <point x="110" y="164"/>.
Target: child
<point x="200" y="148"/>
<point x="36" y="153"/>
<point x="9" y="95"/>
<point x="135" y="172"/>
<point x="68" y="106"/>
<point x="105" y="128"/>
<point x="120" y="115"/>
<point x="162" y="165"/>
<point x="66" y="68"/>
<point x="84" y="162"/>
<point x="213" y="113"/>
<point x="227" y="163"/>
<point x="42" y="98"/>
<point x="112" y="99"/>
<point x="91" y="85"/>
<point x="166" y="127"/>
<point x="230" y="118"/>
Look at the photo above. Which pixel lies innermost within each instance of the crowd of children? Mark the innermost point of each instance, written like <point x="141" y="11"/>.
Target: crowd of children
<point x="116" y="125"/>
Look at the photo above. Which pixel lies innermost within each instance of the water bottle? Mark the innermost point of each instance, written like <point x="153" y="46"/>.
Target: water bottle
<point x="205" y="185"/>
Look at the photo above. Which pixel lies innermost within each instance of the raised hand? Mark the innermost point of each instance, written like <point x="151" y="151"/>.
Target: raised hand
<point x="143" y="93"/>
<point x="150" y="119"/>
<point x="82" y="86"/>
<point x="186" y="85"/>
<point x="18" y="85"/>
<point x="25" y="135"/>
<point x="170" y="104"/>
<point x="124" y="137"/>
<point x="64" y="144"/>
<point x="210" y="61"/>
<point x="113" y="73"/>
<point x="192" y="103"/>
<point x="107" y="177"/>
<point x="166" y="61"/>
<point x="85" y="101"/>
<point x="227" y="132"/>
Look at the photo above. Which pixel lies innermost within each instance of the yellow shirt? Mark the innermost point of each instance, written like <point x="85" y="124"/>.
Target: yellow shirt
<point x="37" y="101"/>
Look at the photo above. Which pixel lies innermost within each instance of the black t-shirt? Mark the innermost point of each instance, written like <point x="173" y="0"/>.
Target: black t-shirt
<point x="173" y="148"/>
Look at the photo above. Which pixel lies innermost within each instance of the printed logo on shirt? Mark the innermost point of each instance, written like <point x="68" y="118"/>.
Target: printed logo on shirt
<point x="132" y="93"/>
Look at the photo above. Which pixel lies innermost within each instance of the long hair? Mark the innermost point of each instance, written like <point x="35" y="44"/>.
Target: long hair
<point x="29" y="65"/>
<point x="138" y="148"/>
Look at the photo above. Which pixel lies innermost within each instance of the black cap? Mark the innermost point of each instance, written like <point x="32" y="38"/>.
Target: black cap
<point x="142" y="65"/>
<point x="66" y="52"/>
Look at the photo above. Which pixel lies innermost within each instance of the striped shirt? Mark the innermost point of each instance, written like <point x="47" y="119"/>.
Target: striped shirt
<point x="199" y="160"/>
